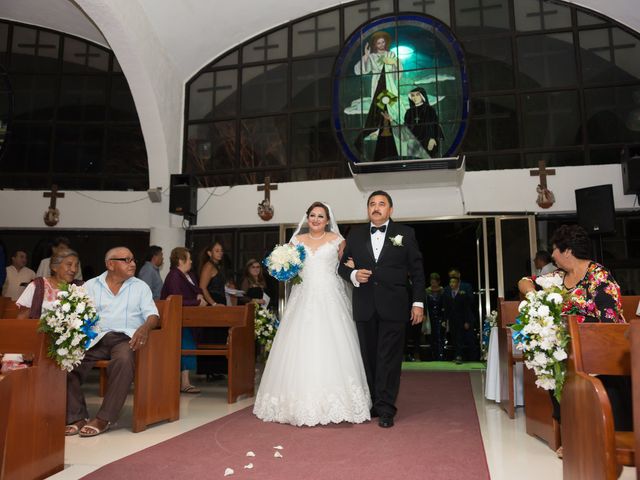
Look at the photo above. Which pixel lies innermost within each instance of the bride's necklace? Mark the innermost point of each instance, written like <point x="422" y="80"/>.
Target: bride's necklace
<point x="317" y="238"/>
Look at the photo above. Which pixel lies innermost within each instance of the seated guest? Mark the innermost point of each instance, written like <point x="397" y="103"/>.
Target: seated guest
<point x="18" y="275"/>
<point x="543" y="263"/>
<point x="59" y="243"/>
<point x="127" y="315"/>
<point x="42" y="291"/>
<point x="181" y="281"/>
<point x="150" y="271"/>
<point x="253" y="283"/>
<point x="591" y="292"/>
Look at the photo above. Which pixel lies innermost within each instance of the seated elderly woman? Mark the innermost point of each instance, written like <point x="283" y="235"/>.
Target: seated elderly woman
<point x="43" y="291"/>
<point x="181" y="281"/>
<point x="592" y="293"/>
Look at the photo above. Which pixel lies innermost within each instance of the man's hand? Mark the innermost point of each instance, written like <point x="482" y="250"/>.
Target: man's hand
<point x="467" y="326"/>
<point x="362" y="275"/>
<point x="139" y="338"/>
<point x="417" y="314"/>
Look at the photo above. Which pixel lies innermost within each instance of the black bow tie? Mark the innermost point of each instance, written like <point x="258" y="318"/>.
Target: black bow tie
<point x="382" y="228"/>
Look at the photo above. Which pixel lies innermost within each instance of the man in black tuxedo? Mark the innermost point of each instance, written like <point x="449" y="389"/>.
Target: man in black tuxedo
<point x="385" y="255"/>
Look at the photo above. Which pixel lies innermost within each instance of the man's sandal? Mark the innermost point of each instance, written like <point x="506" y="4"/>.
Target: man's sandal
<point x="74" y="428"/>
<point x="92" y="431"/>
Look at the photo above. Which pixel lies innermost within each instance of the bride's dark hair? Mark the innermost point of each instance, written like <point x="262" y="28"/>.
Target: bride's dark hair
<point x="321" y="205"/>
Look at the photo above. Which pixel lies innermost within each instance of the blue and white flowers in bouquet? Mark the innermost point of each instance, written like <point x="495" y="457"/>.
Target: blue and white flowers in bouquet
<point x="266" y="324"/>
<point x="71" y="325"/>
<point x="542" y="336"/>
<point x="285" y="262"/>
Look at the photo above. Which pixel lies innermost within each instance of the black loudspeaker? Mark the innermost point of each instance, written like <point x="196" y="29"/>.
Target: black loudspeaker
<point x="183" y="198"/>
<point x="631" y="169"/>
<point x="596" y="210"/>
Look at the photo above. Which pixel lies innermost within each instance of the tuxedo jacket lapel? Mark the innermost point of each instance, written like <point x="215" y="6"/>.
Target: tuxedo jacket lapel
<point x="367" y="242"/>
<point x="386" y="242"/>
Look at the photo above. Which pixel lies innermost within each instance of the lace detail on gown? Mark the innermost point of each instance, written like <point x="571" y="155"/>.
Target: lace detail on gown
<point x="314" y="374"/>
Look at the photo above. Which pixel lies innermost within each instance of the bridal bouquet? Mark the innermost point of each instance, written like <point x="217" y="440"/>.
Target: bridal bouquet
<point x="266" y="325"/>
<point x="542" y="335"/>
<point x="285" y="262"/>
<point x="70" y="323"/>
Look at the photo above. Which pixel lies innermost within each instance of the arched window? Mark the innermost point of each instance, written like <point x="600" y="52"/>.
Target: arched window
<point x="547" y="80"/>
<point x="74" y="122"/>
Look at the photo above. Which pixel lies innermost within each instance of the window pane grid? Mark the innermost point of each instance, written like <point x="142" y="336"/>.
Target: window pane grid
<point x="531" y="87"/>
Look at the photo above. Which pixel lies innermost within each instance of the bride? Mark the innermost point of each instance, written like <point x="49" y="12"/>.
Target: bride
<point x="314" y="374"/>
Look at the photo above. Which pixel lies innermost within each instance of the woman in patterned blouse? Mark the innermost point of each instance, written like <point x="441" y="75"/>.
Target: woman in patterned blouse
<point x="593" y="295"/>
<point x="592" y="292"/>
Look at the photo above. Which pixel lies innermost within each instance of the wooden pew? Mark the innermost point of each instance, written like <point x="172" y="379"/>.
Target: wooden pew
<point x="32" y="406"/>
<point x="592" y="448"/>
<point x="537" y="404"/>
<point x="239" y="349"/>
<point x="156" y="386"/>
<point x="538" y="411"/>
<point x="8" y="308"/>
<point x="507" y="314"/>
<point x="635" y="383"/>
<point x="630" y="306"/>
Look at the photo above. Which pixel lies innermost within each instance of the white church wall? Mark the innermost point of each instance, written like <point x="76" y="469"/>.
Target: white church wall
<point x="488" y="191"/>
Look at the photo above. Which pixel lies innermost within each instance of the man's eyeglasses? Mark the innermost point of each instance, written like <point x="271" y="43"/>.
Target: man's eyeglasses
<point x="125" y="259"/>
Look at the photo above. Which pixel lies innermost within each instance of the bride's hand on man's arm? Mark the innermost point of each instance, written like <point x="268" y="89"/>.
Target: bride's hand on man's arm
<point x="350" y="263"/>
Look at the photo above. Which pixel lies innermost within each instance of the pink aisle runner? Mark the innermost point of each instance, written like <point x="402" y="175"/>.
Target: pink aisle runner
<point x="436" y="437"/>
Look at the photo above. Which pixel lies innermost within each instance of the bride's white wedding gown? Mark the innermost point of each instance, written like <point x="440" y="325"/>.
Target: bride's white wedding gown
<point x="314" y="374"/>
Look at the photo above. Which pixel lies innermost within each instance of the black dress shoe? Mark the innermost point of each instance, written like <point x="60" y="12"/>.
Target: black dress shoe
<point x="373" y="413"/>
<point x="386" y="422"/>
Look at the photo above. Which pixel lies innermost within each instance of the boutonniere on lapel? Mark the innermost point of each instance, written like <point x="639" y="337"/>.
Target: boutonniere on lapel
<point x="396" y="241"/>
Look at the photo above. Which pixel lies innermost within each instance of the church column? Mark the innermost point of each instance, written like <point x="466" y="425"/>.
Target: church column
<point x="165" y="231"/>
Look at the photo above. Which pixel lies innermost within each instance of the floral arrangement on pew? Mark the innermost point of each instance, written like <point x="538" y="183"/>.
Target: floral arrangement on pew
<point x="541" y="334"/>
<point x="285" y="262"/>
<point x="71" y="325"/>
<point x="266" y="325"/>
<point x="490" y="321"/>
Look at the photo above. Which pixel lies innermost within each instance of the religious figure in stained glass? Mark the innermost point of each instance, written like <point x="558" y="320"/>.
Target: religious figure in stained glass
<point x="401" y="91"/>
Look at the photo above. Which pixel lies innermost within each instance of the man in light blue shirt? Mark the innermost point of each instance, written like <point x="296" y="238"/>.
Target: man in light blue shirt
<point x="127" y="314"/>
<point x="150" y="271"/>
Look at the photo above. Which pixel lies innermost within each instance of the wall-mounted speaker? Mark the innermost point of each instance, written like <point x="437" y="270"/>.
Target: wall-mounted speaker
<point x="630" y="162"/>
<point x="183" y="198"/>
<point x="596" y="209"/>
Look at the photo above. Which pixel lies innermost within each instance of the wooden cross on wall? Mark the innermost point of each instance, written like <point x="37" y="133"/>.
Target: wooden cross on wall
<point x="265" y="209"/>
<point x="52" y="215"/>
<point x="546" y="198"/>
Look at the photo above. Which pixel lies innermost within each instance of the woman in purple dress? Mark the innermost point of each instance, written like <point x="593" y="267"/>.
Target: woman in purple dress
<point x="180" y="281"/>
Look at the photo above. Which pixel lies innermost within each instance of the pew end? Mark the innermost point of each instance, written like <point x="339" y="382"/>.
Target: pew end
<point x="32" y="406"/>
<point x="239" y="349"/>
<point x="593" y="449"/>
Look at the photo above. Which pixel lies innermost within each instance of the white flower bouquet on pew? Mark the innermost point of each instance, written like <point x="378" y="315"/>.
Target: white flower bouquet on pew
<point x="71" y="325"/>
<point x="266" y="325"/>
<point x="541" y="334"/>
